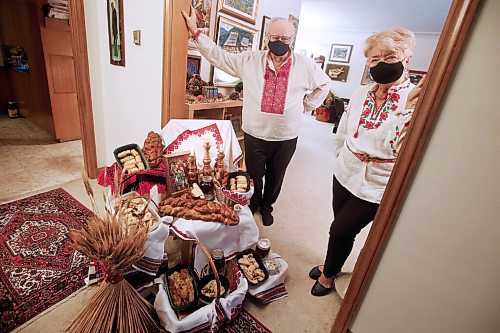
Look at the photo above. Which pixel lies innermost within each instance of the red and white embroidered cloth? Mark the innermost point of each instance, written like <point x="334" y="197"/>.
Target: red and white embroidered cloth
<point x="188" y="134"/>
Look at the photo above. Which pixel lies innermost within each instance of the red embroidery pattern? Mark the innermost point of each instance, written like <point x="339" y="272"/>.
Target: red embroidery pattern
<point x="275" y="89"/>
<point x="199" y="132"/>
<point x="371" y="117"/>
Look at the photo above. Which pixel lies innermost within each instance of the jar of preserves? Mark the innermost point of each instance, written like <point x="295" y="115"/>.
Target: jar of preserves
<point x="218" y="259"/>
<point x="207" y="187"/>
<point x="263" y="247"/>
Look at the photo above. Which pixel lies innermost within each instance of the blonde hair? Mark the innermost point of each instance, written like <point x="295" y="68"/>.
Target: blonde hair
<point x="396" y="39"/>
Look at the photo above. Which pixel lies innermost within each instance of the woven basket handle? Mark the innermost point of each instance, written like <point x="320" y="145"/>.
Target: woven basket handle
<point x="212" y="265"/>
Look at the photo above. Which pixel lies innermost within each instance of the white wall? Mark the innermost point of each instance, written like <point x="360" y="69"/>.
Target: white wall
<point x="319" y="42"/>
<point x="440" y="271"/>
<point x="126" y="100"/>
<point x="351" y="22"/>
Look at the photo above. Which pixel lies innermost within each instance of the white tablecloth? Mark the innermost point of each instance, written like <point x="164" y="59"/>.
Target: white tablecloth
<point x="187" y="134"/>
<point x="231" y="239"/>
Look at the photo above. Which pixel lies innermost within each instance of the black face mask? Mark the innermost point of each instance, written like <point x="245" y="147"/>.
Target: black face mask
<point x="387" y="73"/>
<point x="278" y="48"/>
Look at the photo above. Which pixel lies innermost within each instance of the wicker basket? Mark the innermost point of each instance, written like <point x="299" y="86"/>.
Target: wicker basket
<point x="229" y="198"/>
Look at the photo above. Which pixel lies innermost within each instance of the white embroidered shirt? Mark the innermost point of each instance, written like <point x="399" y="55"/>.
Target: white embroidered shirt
<point x="273" y="102"/>
<point x="368" y="140"/>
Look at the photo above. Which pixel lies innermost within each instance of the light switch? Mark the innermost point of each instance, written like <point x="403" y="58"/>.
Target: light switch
<point x="137" y="37"/>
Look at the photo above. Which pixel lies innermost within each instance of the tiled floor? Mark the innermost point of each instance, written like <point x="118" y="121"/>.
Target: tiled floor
<point x="31" y="160"/>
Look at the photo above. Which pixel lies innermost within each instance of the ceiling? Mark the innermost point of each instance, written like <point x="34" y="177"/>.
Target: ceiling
<point x="424" y="16"/>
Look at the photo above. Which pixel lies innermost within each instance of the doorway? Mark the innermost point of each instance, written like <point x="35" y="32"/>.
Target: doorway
<point x="42" y="74"/>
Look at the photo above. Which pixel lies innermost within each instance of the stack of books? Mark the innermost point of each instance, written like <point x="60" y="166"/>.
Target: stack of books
<point x="58" y="9"/>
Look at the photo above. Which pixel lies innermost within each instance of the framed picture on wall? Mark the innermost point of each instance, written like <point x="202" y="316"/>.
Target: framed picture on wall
<point x="416" y="76"/>
<point x="115" y="32"/>
<point x="176" y="166"/>
<point x="366" y="78"/>
<point x="337" y="72"/>
<point x="340" y="53"/>
<point x="264" y="38"/>
<point x="234" y="38"/>
<point x="193" y="65"/>
<point x="295" y="22"/>
<point x="245" y="10"/>
<point x="203" y="10"/>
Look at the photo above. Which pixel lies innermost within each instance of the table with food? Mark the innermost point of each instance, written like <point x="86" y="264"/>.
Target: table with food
<point x="184" y="182"/>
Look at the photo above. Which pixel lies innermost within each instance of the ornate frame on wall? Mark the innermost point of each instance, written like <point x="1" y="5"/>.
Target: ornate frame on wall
<point x="219" y="78"/>
<point x="340" y="58"/>
<point x="115" y="22"/>
<point x="229" y="7"/>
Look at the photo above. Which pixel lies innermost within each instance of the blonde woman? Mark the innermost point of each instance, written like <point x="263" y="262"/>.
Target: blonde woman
<point x="368" y="141"/>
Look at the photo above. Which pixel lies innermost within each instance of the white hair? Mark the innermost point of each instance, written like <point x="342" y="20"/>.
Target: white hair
<point x="400" y="40"/>
<point x="278" y="19"/>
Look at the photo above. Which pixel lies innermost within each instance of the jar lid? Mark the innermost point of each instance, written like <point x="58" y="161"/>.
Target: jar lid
<point x="217" y="253"/>
<point x="207" y="178"/>
<point x="264" y="243"/>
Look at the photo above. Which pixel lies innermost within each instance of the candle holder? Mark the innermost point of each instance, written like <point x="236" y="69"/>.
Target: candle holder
<point x="220" y="172"/>
<point x="207" y="169"/>
<point x="192" y="169"/>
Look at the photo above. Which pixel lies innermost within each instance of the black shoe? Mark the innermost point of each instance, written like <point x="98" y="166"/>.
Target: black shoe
<point x="315" y="273"/>
<point x="319" y="290"/>
<point x="267" y="218"/>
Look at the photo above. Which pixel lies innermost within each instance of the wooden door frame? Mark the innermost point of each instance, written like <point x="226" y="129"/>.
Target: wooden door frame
<point x="82" y="75"/>
<point x="175" y="49"/>
<point x="448" y="50"/>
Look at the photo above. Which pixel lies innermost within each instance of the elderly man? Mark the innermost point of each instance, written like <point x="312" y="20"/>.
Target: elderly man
<point x="280" y="86"/>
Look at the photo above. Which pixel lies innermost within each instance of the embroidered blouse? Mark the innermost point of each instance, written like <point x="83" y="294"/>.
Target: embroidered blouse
<point x="273" y="102"/>
<point x="368" y="140"/>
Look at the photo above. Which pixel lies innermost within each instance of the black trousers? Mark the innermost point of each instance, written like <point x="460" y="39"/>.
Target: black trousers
<point x="351" y="214"/>
<point x="267" y="159"/>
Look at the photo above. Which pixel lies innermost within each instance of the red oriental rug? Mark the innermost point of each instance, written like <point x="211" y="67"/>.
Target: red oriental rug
<point x="38" y="267"/>
<point x="245" y="322"/>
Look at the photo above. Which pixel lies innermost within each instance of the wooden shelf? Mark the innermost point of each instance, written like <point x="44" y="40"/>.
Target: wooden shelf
<point x="56" y="24"/>
<point x="216" y="105"/>
<point x="215" y="110"/>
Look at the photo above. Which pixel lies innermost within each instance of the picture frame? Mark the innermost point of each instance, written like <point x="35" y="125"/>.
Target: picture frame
<point x="235" y="38"/>
<point x="366" y="78"/>
<point x="245" y="10"/>
<point x="236" y="121"/>
<point x="295" y="22"/>
<point x="116" y="32"/>
<point x="340" y="53"/>
<point x="415" y="76"/>
<point x="203" y="10"/>
<point x="337" y="72"/>
<point x="193" y="65"/>
<point x="176" y="172"/>
<point x="264" y="39"/>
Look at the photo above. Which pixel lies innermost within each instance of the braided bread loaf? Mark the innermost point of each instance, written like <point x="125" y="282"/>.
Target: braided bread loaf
<point x="153" y="149"/>
<point x="195" y="209"/>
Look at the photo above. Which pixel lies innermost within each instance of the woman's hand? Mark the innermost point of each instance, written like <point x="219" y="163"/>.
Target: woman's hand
<point x="414" y="94"/>
<point x="190" y="20"/>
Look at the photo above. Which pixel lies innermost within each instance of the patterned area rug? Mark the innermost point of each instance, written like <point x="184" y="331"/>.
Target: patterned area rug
<point x="38" y="267"/>
<point x="245" y="322"/>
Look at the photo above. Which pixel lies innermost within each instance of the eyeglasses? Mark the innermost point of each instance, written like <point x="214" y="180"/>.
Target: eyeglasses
<point x="284" y="39"/>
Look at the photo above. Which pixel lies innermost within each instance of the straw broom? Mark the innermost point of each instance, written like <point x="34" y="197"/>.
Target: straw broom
<point x="116" y="306"/>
